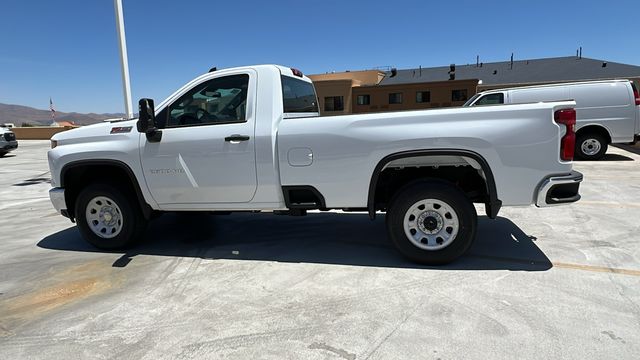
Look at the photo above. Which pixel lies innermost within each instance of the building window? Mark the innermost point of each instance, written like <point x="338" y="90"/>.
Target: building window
<point x="423" y="96"/>
<point x="395" y="98"/>
<point x="459" y="95"/>
<point x="364" y="100"/>
<point x="334" y="103"/>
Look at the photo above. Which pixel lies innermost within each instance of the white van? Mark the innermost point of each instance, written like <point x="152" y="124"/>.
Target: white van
<point x="8" y="141"/>
<point x="607" y="111"/>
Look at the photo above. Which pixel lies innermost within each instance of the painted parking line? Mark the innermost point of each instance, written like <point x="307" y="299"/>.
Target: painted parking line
<point x="603" y="269"/>
<point x="561" y="265"/>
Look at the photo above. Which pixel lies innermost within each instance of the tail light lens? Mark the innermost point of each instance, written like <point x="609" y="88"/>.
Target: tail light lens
<point x="567" y="117"/>
<point x="635" y="93"/>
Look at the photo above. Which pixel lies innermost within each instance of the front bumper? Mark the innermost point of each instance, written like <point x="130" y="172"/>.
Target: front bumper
<point x="57" y="199"/>
<point x="9" y="146"/>
<point x="559" y="189"/>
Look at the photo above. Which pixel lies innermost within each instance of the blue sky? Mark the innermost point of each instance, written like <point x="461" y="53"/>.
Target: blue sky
<point x="68" y="49"/>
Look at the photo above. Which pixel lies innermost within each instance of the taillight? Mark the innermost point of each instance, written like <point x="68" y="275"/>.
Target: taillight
<point x="296" y="72"/>
<point x="567" y="117"/>
<point x="635" y="93"/>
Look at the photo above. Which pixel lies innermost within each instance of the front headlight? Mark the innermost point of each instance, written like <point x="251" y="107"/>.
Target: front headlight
<point x="54" y="143"/>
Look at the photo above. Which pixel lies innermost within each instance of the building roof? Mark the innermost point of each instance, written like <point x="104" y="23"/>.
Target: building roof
<point x="568" y="68"/>
<point x="65" y="123"/>
<point x="362" y="77"/>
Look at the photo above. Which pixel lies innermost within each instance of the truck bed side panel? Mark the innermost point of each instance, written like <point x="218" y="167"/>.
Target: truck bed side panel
<point x="520" y="142"/>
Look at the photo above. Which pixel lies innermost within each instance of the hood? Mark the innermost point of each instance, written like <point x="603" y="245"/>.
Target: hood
<point x="97" y="132"/>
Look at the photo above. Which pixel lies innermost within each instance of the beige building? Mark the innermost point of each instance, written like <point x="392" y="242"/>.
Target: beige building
<point x="353" y="92"/>
<point x="437" y="94"/>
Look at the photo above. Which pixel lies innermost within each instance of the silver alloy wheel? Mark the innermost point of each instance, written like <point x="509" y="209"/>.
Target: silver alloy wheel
<point x="104" y="217"/>
<point x="590" y="146"/>
<point x="431" y="224"/>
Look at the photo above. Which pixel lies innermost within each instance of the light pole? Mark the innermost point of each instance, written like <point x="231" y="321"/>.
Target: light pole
<point x="126" y="86"/>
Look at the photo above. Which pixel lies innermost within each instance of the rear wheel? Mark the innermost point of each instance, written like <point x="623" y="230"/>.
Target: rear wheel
<point x="591" y="146"/>
<point x="107" y="218"/>
<point x="431" y="222"/>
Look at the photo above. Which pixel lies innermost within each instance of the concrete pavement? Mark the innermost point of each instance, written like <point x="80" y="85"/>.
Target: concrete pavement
<point x="558" y="282"/>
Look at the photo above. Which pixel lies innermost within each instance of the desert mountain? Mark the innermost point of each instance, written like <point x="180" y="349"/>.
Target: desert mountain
<point x="18" y="114"/>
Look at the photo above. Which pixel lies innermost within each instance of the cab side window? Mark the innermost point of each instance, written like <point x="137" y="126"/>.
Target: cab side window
<point x="217" y="101"/>
<point x="491" y="99"/>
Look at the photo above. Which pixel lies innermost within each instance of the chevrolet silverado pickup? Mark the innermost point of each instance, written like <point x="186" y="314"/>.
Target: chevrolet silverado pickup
<point x="252" y="139"/>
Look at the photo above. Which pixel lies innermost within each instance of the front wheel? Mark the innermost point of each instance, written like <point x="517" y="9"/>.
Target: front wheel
<point x="431" y="222"/>
<point x="107" y="218"/>
<point x="591" y="147"/>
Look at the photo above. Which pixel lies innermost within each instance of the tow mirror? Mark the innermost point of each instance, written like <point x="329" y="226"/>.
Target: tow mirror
<point x="147" y="120"/>
<point x="146" y="113"/>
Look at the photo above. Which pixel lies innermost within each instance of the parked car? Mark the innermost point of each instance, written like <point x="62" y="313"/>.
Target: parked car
<point x="251" y="139"/>
<point x="8" y="141"/>
<point x="607" y="111"/>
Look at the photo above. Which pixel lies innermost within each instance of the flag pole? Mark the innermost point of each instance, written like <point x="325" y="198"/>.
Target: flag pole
<point x="126" y="86"/>
<point x="53" y="112"/>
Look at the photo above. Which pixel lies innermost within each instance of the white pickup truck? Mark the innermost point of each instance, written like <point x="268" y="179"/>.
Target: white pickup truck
<point x="251" y="139"/>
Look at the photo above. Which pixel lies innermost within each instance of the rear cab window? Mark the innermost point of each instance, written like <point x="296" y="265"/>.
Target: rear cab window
<point x="299" y="97"/>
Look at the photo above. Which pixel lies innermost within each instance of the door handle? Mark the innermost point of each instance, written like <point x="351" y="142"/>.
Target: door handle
<point x="237" y="137"/>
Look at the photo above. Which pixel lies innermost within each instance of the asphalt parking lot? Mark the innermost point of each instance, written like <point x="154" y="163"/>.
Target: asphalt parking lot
<point x="558" y="282"/>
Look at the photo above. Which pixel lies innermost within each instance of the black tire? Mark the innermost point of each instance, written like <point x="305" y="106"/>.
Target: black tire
<point x="592" y="139"/>
<point x="409" y="196"/>
<point x="133" y="225"/>
<point x="2" y="154"/>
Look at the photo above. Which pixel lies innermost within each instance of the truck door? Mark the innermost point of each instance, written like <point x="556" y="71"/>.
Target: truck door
<point x="207" y="150"/>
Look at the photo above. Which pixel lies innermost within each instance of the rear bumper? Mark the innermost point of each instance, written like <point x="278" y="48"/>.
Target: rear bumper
<point x="57" y="199"/>
<point x="559" y="189"/>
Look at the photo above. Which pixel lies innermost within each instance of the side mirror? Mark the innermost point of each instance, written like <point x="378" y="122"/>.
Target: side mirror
<point x="146" y="113"/>
<point x="147" y="120"/>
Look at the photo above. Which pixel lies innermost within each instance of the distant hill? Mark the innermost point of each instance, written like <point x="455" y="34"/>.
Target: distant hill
<point x="18" y="114"/>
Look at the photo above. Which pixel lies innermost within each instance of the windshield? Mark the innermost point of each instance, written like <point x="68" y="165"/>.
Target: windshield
<point x="473" y="98"/>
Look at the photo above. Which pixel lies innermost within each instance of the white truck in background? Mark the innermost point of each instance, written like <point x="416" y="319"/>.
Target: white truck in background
<point x="8" y="141"/>
<point x="608" y="111"/>
<point x="251" y="139"/>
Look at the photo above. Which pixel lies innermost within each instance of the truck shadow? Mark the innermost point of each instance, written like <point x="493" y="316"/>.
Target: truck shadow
<point x="629" y="148"/>
<point x="323" y="238"/>
<point x="615" y="157"/>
